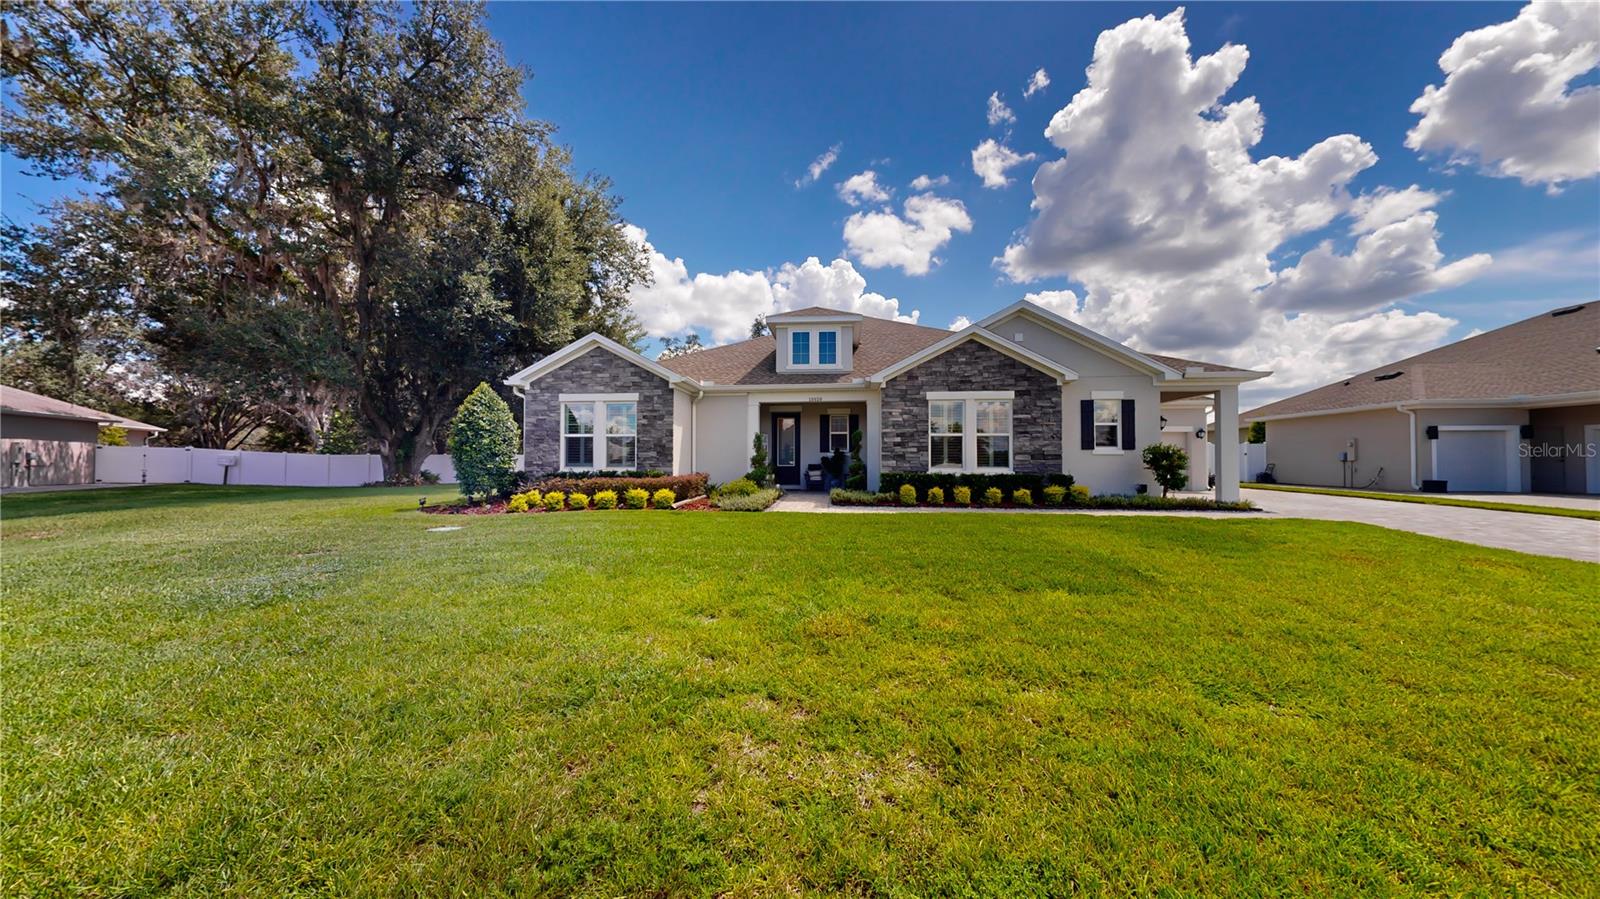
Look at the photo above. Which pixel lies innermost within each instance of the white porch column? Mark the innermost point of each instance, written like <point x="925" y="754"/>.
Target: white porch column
<point x="753" y="427"/>
<point x="872" y="439"/>
<point x="1227" y="444"/>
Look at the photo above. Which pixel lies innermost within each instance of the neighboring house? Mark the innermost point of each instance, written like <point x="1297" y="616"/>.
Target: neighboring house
<point x="1024" y="390"/>
<point x="1512" y="410"/>
<point x="46" y="441"/>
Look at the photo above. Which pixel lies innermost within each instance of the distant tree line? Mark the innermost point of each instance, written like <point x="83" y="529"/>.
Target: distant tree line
<point x="324" y="222"/>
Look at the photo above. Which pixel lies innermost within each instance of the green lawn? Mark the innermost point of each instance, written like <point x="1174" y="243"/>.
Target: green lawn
<point x="273" y="691"/>
<point x="1434" y="499"/>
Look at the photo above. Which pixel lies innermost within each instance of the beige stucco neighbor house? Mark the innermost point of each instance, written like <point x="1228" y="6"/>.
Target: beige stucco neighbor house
<point x="1513" y="410"/>
<point x="45" y="441"/>
<point x="1023" y="390"/>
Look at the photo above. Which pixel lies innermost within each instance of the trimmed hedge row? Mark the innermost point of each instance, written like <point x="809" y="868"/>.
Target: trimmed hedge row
<point x="1056" y="497"/>
<point x="683" y="486"/>
<point x="921" y="481"/>
<point x="749" y="502"/>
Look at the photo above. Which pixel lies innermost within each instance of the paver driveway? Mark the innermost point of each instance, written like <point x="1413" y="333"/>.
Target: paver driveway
<point x="1545" y="535"/>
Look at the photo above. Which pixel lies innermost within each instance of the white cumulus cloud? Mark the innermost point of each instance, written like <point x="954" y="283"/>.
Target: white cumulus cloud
<point x="722" y="306"/>
<point x="1181" y="240"/>
<point x="819" y="165"/>
<point x="959" y="323"/>
<point x="999" y="112"/>
<point x="1039" y="81"/>
<point x="863" y="187"/>
<point x="1506" y="102"/>
<point x="883" y="239"/>
<point x="992" y="159"/>
<point x="925" y="182"/>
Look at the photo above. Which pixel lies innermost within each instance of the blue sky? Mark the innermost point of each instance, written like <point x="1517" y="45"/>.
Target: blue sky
<point x="707" y="116"/>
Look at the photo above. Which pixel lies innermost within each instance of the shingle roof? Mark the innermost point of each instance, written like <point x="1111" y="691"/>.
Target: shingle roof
<point x="24" y="402"/>
<point x="1180" y="363"/>
<point x="1554" y="354"/>
<point x="879" y="344"/>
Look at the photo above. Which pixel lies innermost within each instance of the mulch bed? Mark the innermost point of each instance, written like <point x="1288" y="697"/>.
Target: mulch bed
<point x="498" y="507"/>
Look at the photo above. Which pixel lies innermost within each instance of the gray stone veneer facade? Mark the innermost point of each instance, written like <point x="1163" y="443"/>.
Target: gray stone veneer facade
<point x="597" y="371"/>
<point x="1035" y="412"/>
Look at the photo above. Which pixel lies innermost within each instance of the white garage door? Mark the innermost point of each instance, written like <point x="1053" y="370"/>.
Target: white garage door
<point x="1472" y="461"/>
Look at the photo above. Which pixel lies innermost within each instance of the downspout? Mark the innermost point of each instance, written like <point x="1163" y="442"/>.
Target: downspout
<point x="1400" y="407"/>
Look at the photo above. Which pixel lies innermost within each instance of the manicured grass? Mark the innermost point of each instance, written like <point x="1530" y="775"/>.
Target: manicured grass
<point x="266" y="692"/>
<point x="1434" y="499"/>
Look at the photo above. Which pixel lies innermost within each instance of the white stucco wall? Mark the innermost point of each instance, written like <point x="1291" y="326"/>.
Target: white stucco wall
<point x="682" y="432"/>
<point x="720" y="447"/>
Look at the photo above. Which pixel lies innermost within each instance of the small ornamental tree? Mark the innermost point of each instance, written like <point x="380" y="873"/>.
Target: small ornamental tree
<point x="113" y="435"/>
<point x="856" y="478"/>
<point x="1168" y="464"/>
<point x="1258" y="432"/>
<point x="758" y="461"/>
<point x="483" y="443"/>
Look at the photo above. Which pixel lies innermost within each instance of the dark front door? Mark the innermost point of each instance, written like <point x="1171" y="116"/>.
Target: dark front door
<point x="1548" y="467"/>
<point x="786" y="448"/>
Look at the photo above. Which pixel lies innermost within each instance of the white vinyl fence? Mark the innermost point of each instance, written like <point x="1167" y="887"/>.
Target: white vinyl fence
<point x="187" y="465"/>
<point x="1252" y="461"/>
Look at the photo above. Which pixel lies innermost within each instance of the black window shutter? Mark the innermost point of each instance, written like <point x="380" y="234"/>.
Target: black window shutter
<point x="1127" y="424"/>
<point x="855" y="425"/>
<point x="1086" y="424"/>
<point x="824" y="430"/>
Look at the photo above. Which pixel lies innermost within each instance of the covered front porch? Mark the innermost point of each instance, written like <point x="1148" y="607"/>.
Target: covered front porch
<point x="1187" y="430"/>
<point x="803" y="438"/>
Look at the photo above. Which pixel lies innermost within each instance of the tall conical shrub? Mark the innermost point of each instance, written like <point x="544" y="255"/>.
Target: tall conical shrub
<point x="483" y="443"/>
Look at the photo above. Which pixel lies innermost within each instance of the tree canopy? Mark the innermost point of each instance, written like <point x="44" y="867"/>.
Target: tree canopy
<point x="309" y="207"/>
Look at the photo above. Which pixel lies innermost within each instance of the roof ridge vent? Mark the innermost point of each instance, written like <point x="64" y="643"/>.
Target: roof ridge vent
<point x="1388" y="377"/>
<point x="1568" y="311"/>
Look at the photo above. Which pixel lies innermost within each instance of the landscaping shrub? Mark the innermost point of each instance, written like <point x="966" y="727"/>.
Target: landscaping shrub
<point x="936" y="496"/>
<point x="606" y="499"/>
<point x="891" y="480"/>
<point x="577" y="501"/>
<point x="1022" y="496"/>
<point x="908" y="495"/>
<point x="1168" y="464"/>
<point x="759" y="473"/>
<point x="522" y="502"/>
<point x="739" y="487"/>
<point x="1055" y="495"/>
<point x="963" y="496"/>
<point x="684" y="486"/>
<point x="483" y="443"/>
<point x="1079" y="493"/>
<point x="636" y="498"/>
<point x="842" y="497"/>
<point x="856" y="475"/>
<point x="992" y="496"/>
<point x="662" y="499"/>
<point x="752" y="502"/>
<point x="554" y="500"/>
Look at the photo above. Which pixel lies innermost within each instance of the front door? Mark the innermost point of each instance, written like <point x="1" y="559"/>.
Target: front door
<point x="786" y="448"/>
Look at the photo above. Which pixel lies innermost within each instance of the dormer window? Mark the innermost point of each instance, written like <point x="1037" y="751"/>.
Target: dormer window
<point x="815" y="341"/>
<point x="800" y="348"/>
<point x="827" y="347"/>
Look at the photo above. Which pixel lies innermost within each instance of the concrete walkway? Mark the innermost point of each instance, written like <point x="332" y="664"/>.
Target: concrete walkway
<point x="1544" y="535"/>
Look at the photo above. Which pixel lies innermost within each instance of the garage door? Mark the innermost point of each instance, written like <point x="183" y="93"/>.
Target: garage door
<point x="1472" y="461"/>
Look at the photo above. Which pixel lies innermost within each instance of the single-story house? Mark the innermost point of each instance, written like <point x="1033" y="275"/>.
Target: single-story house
<point x="1023" y="390"/>
<point x="46" y="441"/>
<point x="1512" y="410"/>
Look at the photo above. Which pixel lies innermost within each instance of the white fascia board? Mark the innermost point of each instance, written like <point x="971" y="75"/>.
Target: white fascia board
<point x="582" y="345"/>
<point x="987" y="338"/>
<point x="1093" y="339"/>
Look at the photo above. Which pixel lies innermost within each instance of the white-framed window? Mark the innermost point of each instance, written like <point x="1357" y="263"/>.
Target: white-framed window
<point x="827" y="347"/>
<point x="946" y="433"/>
<point x="992" y="434"/>
<point x="599" y="430"/>
<point x="1107" y="423"/>
<point x="577" y="435"/>
<point x="838" y="432"/>
<point x="800" y="348"/>
<point x="622" y="435"/>
<point x="970" y="430"/>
